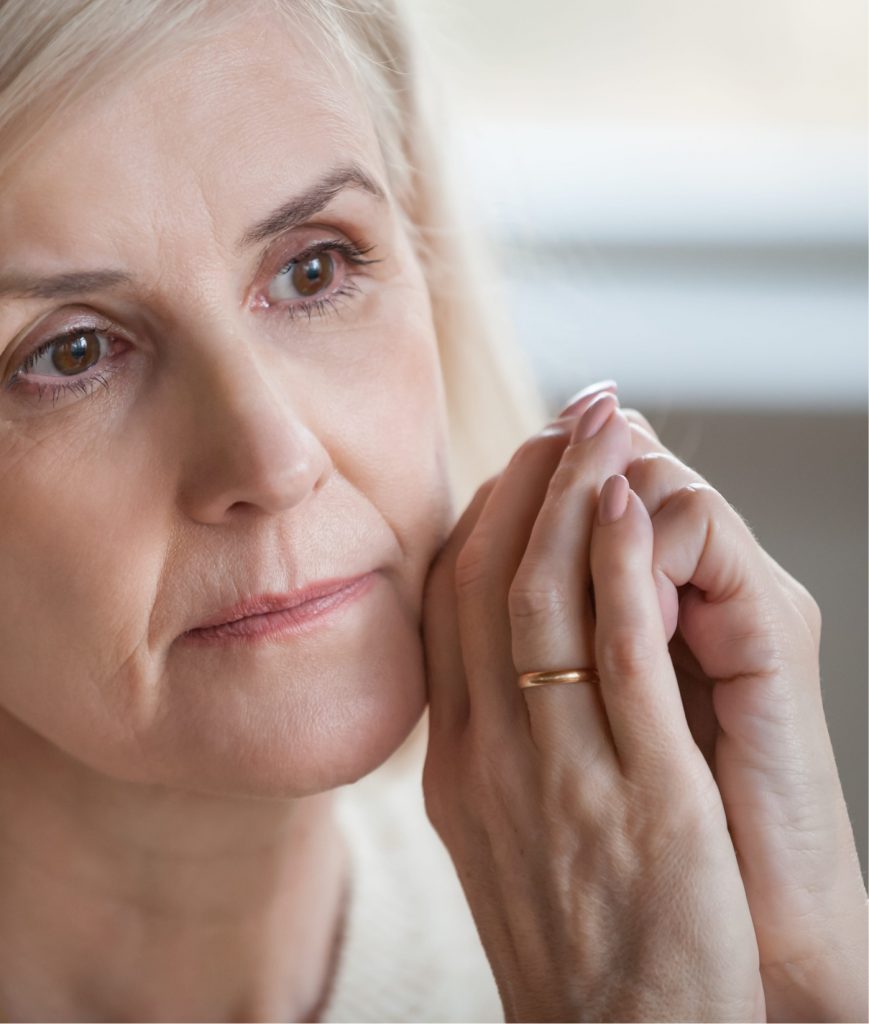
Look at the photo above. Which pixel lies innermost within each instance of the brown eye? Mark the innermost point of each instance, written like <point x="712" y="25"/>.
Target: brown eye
<point x="75" y="353"/>
<point x="67" y="355"/>
<point x="313" y="274"/>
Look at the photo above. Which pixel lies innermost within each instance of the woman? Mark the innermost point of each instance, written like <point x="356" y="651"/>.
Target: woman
<point x="242" y="369"/>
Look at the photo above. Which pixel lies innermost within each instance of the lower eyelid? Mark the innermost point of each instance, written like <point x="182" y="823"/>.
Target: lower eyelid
<point x="316" y="304"/>
<point x="40" y="387"/>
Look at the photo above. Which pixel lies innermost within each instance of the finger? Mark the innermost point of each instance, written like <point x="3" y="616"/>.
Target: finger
<point x="638" y="684"/>
<point x="702" y="540"/>
<point x="445" y="672"/>
<point x="645" y="442"/>
<point x="487" y="564"/>
<point x="551" y="615"/>
<point x="656" y="480"/>
<point x="550" y="609"/>
<point x="659" y="477"/>
<point x="654" y="476"/>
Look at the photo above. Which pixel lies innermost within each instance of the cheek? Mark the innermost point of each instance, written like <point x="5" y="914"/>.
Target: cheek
<point x="76" y="555"/>
<point x="398" y="455"/>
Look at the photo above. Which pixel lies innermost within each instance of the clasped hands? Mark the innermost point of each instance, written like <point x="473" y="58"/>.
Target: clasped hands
<point x="687" y="813"/>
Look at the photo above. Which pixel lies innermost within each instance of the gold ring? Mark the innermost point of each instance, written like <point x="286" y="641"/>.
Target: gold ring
<point x="566" y="675"/>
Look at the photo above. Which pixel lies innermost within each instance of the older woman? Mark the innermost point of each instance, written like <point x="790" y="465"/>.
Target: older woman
<point x="245" y="387"/>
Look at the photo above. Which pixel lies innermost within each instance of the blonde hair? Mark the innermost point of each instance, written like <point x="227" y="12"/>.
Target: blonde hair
<point x="53" y="52"/>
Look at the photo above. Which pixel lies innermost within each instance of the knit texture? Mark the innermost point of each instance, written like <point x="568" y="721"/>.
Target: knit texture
<point x="411" y="950"/>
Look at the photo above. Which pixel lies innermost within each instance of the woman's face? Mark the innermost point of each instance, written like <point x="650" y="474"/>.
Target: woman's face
<point x="214" y="427"/>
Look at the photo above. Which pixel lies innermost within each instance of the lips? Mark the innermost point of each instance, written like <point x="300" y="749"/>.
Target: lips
<point x="263" y="604"/>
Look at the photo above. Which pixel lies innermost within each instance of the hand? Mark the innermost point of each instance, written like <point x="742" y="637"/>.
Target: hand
<point x="585" y="826"/>
<point x="745" y="648"/>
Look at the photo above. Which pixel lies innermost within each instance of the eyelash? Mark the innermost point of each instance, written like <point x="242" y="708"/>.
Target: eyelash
<point x="84" y="385"/>
<point x="352" y="252"/>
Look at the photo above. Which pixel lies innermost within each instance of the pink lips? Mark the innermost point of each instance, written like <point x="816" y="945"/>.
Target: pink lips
<point x="269" y="614"/>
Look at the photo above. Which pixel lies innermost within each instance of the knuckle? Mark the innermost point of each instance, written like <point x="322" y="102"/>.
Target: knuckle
<point x="638" y="419"/>
<point x="534" y="594"/>
<point x="703" y="501"/>
<point x="687" y="823"/>
<point x="626" y="652"/>
<point x="695" y="491"/>
<point x="813" y="613"/>
<point x="651" y="464"/>
<point x="700" y="496"/>
<point x="565" y="480"/>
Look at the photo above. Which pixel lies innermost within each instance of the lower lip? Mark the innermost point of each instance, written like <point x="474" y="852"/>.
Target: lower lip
<point x="286" y="620"/>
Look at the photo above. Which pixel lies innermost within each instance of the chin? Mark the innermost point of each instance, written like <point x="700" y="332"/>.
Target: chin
<point x="286" y="762"/>
<point x="286" y="732"/>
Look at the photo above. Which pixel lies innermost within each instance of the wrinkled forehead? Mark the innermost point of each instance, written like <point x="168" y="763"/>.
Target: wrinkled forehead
<point x="197" y="141"/>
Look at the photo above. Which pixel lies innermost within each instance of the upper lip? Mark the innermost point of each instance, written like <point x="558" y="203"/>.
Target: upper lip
<point x="259" y="604"/>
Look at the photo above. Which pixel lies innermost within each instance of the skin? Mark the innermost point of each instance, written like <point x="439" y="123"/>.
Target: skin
<point x="585" y="825"/>
<point x="707" y="725"/>
<point x="166" y="810"/>
<point x="745" y="647"/>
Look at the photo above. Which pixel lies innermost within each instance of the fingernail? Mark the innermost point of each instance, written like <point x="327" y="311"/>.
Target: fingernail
<point x="595" y="416"/>
<point x="613" y="499"/>
<point x="574" y="400"/>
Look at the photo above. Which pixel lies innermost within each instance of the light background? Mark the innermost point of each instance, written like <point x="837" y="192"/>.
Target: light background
<point x="677" y="191"/>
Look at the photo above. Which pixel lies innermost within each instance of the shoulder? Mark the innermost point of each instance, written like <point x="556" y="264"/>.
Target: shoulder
<point x="411" y="949"/>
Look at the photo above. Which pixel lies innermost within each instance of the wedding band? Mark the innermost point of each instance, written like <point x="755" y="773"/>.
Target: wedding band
<point x="567" y="675"/>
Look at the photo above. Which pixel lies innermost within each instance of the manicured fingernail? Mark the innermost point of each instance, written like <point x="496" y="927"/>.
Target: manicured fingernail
<point x="613" y="499"/>
<point x="574" y="400"/>
<point x="595" y="416"/>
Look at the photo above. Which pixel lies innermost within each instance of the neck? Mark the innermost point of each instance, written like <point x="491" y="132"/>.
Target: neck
<point x="123" y="901"/>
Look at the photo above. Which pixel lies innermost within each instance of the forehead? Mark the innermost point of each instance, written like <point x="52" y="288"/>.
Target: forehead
<point x="208" y="135"/>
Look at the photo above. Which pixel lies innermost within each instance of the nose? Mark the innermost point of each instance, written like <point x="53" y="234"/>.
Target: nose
<point x="246" y="448"/>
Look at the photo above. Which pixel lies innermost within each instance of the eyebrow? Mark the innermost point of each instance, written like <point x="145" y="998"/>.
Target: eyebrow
<point x="301" y="208"/>
<point x="295" y="211"/>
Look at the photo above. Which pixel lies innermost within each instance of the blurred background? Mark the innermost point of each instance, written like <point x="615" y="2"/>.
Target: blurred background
<point x="677" y="194"/>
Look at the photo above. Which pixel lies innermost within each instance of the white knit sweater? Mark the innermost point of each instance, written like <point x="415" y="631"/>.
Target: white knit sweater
<point x="411" y="950"/>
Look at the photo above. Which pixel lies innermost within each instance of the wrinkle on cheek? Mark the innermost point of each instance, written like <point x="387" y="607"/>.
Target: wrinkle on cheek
<point x="131" y="683"/>
<point x="79" y="555"/>
<point x="17" y="447"/>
